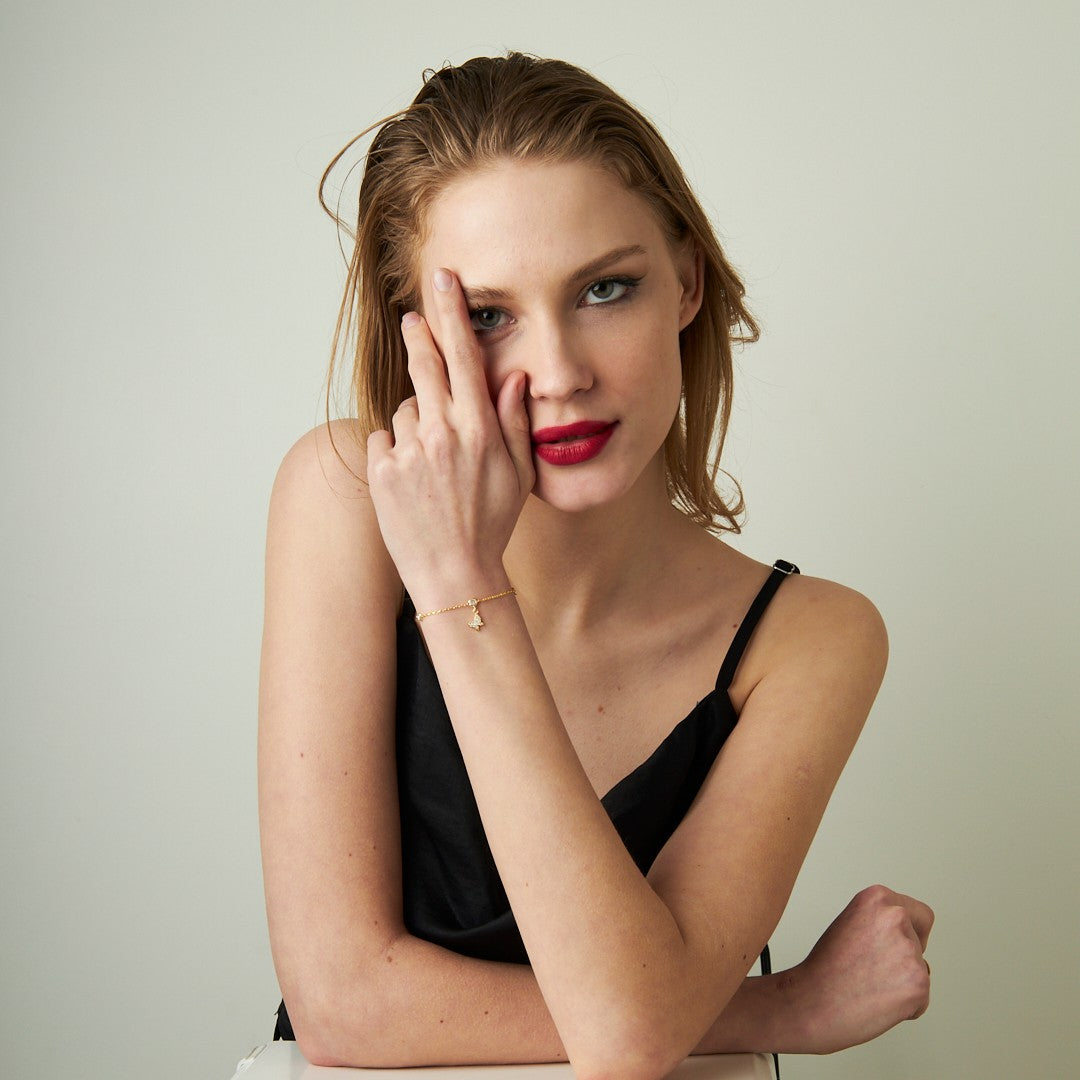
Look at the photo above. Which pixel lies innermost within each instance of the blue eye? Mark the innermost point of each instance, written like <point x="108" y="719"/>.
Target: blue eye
<point x="608" y="290"/>
<point x="487" y="318"/>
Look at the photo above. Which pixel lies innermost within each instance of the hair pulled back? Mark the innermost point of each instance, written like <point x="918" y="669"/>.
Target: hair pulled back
<point x="520" y="107"/>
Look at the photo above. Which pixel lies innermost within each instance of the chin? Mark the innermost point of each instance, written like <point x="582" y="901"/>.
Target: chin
<point x="575" y="494"/>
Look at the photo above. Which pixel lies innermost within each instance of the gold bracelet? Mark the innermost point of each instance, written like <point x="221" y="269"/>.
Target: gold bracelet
<point x="476" y="622"/>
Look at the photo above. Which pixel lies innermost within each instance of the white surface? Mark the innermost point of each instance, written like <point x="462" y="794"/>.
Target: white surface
<point x="283" y="1061"/>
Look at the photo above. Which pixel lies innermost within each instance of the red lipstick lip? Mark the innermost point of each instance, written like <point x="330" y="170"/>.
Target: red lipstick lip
<point x="579" y="430"/>
<point x="572" y="444"/>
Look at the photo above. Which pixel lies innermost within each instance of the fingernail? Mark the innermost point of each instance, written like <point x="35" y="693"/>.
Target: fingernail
<point x="443" y="280"/>
<point x="410" y="318"/>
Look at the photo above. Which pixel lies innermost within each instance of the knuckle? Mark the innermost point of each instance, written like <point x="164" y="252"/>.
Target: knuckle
<point x="879" y="894"/>
<point x="380" y="469"/>
<point x="894" y="918"/>
<point x="871" y="896"/>
<point x="462" y="354"/>
<point x="476" y="439"/>
<point x="439" y="442"/>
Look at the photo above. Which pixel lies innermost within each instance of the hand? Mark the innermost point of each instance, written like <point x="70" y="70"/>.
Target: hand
<point x="448" y="486"/>
<point x="866" y="973"/>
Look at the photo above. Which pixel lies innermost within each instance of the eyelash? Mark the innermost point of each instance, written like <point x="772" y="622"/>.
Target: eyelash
<point x="628" y="283"/>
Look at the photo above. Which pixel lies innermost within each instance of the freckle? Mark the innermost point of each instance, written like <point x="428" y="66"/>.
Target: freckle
<point x="389" y="959"/>
<point x="599" y="708"/>
<point x="346" y="773"/>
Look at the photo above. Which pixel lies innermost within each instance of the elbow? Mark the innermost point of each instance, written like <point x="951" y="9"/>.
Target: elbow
<point x="352" y="1013"/>
<point x="638" y="1054"/>
<point x="634" y="1028"/>
<point x="624" y="1066"/>
<point x="332" y="1037"/>
<point x="321" y="1038"/>
<point x="317" y="1051"/>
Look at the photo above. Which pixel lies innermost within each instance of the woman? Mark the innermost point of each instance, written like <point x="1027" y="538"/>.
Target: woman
<point x="537" y="832"/>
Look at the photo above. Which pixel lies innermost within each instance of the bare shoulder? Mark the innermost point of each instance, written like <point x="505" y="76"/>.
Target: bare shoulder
<point x="322" y="522"/>
<point x="327" y="462"/>
<point x="821" y="615"/>
<point x="822" y="637"/>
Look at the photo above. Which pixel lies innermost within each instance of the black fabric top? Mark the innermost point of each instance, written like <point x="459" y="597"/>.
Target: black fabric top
<point x="452" y="892"/>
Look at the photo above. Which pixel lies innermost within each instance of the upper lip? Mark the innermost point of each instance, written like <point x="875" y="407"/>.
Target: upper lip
<point x="579" y="430"/>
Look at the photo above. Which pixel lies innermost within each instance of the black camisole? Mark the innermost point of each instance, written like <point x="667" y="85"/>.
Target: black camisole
<point x="451" y="890"/>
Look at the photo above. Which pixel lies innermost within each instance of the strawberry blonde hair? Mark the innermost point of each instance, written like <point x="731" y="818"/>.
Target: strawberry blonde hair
<point x="520" y="107"/>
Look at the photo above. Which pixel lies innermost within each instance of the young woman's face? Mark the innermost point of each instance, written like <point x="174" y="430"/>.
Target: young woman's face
<point x="570" y="278"/>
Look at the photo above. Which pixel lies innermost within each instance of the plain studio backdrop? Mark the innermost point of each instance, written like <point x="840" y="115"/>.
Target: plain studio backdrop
<point x="899" y="185"/>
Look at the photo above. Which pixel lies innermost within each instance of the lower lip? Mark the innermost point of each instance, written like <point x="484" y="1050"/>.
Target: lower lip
<point x="574" y="451"/>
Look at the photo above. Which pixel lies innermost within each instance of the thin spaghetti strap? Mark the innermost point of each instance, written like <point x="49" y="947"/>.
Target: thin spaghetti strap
<point x="781" y="570"/>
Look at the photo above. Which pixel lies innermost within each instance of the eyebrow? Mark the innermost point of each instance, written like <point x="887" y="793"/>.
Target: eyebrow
<point x="480" y="296"/>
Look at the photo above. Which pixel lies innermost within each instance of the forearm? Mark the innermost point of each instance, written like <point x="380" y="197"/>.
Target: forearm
<point x="418" y="1004"/>
<point x="437" y="1007"/>
<point x="607" y="951"/>
<point x="763" y="1017"/>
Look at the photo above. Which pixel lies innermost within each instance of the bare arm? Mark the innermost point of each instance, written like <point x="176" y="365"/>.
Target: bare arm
<point x="358" y="987"/>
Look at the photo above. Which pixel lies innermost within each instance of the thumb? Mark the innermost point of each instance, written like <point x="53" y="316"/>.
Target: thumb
<point x="514" y="422"/>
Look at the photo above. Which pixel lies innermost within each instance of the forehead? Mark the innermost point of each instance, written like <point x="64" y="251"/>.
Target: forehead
<point x="533" y="218"/>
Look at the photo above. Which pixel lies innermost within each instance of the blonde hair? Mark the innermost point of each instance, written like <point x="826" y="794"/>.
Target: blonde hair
<point x="522" y="107"/>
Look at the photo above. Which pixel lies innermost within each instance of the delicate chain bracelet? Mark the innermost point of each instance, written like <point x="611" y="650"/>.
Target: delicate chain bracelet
<point x="476" y="622"/>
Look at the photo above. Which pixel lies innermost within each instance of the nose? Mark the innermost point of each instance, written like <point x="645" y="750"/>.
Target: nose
<point x="557" y="365"/>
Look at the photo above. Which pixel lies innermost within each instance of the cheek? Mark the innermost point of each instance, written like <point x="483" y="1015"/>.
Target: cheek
<point x="660" y="354"/>
<point x="496" y="369"/>
<point x="668" y="383"/>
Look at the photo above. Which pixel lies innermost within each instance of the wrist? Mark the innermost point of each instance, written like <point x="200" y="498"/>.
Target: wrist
<point x="768" y="1014"/>
<point x="446" y="586"/>
<point x="799" y="1013"/>
<point x="796" y="1012"/>
<point x="449" y="599"/>
<point x="754" y="1021"/>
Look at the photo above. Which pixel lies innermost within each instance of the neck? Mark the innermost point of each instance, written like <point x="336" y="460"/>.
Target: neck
<point x="574" y="570"/>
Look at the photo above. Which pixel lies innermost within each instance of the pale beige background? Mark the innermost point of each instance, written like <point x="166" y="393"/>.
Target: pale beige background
<point x="899" y="183"/>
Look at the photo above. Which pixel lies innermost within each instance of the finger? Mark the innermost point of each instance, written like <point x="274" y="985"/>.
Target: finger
<point x="405" y="420"/>
<point x="426" y="367"/>
<point x="922" y="918"/>
<point x="457" y="343"/>
<point x="379" y="444"/>
<point x="514" y="422"/>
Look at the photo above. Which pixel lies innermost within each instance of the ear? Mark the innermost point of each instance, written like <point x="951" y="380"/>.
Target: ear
<point x="690" y="265"/>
